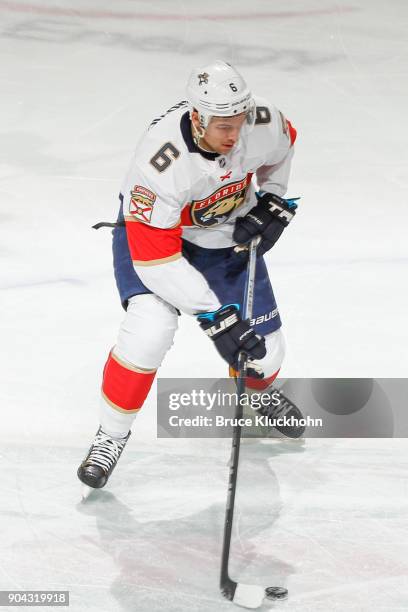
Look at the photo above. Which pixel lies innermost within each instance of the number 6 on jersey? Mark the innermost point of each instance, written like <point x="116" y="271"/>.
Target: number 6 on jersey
<point x="164" y="157"/>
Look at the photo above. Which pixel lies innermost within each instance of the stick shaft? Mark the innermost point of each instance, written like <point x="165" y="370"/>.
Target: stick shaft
<point x="227" y="585"/>
<point x="250" y="280"/>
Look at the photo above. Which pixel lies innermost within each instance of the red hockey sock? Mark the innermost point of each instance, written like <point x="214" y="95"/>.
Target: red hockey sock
<point x="125" y="386"/>
<point x="260" y="383"/>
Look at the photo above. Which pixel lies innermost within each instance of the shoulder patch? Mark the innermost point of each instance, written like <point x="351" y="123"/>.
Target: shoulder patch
<point x="141" y="203"/>
<point x="263" y="115"/>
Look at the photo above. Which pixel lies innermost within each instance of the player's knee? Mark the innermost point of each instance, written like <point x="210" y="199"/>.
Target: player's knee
<point x="147" y="331"/>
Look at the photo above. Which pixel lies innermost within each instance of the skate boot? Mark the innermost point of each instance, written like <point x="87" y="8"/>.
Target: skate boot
<point x="101" y="459"/>
<point x="282" y="408"/>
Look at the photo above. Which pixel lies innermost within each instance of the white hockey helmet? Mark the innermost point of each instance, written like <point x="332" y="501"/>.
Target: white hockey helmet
<point x="218" y="90"/>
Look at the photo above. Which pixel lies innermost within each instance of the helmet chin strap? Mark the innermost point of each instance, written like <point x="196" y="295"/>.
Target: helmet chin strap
<point x="198" y="135"/>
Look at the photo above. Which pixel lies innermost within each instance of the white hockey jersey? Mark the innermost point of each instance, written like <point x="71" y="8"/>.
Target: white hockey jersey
<point x="174" y="191"/>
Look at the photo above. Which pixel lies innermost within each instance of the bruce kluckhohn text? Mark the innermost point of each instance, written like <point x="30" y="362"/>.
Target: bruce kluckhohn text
<point x="257" y="420"/>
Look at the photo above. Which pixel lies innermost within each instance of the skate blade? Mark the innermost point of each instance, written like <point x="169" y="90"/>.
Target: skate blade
<point x="86" y="491"/>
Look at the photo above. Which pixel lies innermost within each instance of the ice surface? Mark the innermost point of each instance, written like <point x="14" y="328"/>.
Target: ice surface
<point x="327" y="519"/>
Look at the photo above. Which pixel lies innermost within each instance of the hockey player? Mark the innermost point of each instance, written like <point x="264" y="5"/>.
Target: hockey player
<point x="187" y="200"/>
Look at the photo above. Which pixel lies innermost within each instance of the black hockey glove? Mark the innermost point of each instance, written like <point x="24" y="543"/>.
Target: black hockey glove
<point x="267" y="219"/>
<point x="231" y="334"/>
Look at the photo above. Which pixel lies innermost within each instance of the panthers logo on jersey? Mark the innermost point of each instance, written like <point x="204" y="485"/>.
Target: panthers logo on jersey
<point x="218" y="207"/>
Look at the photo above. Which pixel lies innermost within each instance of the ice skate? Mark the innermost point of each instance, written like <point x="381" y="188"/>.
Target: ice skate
<point x="100" y="461"/>
<point x="281" y="408"/>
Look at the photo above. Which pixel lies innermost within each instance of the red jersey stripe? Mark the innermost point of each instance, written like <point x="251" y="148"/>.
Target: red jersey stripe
<point x="186" y="219"/>
<point x="292" y="133"/>
<point x="147" y="243"/>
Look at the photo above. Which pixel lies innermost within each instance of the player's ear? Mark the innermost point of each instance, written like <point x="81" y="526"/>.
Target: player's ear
<point x="195" y="118"/>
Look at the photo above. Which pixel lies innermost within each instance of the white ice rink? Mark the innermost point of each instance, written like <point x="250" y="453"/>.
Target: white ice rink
<point x="79" y="81"/>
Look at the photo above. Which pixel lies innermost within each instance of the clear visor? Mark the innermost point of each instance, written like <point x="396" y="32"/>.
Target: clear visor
<point x="247" y="126"/>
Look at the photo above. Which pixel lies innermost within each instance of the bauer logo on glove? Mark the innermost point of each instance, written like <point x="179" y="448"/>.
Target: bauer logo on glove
<point x="267" y="219"/>
<point x="231" y="334"/>
<point x="222" y="325"/>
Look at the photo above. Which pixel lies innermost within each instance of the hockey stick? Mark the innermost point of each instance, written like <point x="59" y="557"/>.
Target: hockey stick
<point x="246" y="595"/>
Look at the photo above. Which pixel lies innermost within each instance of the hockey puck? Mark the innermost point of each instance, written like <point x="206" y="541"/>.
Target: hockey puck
<point x="276" y="593"/>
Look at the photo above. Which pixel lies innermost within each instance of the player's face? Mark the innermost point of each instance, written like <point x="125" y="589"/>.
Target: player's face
<point x="222" y="133"/>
